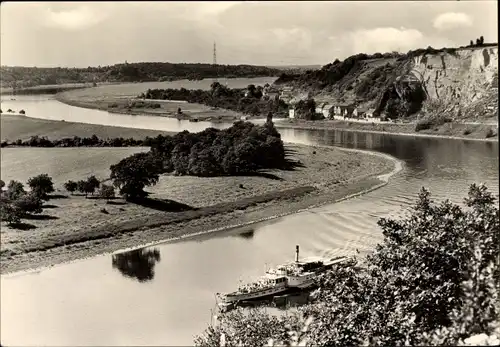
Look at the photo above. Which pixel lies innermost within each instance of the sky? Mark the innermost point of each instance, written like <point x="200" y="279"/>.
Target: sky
<point x="81" y="34"/>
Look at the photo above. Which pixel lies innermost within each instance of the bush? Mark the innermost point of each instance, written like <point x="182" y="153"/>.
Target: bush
<point x="423" y="125"/>
<point x="71" y="186"/>
<point x="10" y="213"/>
<point x="29" y="203"/>
<point x="41" y="185"/>
<point x="15" y="190"/>
<point x="107" y="192"/>
<point x="432" y="281"/>
<point x="467" y="132"/>
<point x="490" y="133"/>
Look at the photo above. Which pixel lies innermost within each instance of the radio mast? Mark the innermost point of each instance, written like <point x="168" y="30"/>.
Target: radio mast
<point x="215" y="61"/>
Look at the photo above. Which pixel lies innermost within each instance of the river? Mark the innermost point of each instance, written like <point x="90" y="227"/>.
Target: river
<point x="163" y="295"/>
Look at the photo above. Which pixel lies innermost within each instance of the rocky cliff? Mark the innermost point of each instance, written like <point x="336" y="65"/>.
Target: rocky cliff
<point x="460" y="83"/>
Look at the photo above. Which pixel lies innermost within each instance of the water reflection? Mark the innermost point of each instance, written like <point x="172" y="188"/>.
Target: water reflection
<point x="247" y="234"/>
<point x="138" y="264"/>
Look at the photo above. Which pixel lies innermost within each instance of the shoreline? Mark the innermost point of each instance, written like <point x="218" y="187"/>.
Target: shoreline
<point x="218" y="223"/>
<point x="395" y="129"/>
<point x="329" y="126"/>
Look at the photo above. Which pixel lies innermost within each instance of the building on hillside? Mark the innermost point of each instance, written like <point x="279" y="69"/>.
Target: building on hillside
<point x="328" y="111"/>
<point x="286" y="93"/>
<point x="369" y="113"/>
<point x="320" y="106"/>
<point x="361" y="112"/>
<point x="291" y="111"/>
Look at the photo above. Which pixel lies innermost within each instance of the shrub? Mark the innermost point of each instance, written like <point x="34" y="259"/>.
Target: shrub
<point x="107" y="192"/>
<point x="71" y="186"/>
<point x="15" y="190"/>
<point x="10" y="213"/>
<point x="490" y="133"/>
<point x="467" y="131"/>
<point x="29" y="203"/>
<point x="41" y="185"/>
<point x="423" y="125"/>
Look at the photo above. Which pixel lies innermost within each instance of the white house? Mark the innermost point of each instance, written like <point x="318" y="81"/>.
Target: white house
<point x="328" y="111"/>
<point x="320" y="106"/>
<point x="291" y="112"/>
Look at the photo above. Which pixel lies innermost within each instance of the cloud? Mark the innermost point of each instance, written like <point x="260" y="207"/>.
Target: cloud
<point x="452" y="20"/>
<point x="74" y="19"/>
<point x="384" y="40"/>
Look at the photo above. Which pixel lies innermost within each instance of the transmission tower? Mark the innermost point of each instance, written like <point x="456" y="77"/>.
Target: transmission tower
<point x="215" y="61"/>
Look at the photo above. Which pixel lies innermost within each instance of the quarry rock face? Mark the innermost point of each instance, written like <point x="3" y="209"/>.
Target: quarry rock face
<point x="463" y="82"/>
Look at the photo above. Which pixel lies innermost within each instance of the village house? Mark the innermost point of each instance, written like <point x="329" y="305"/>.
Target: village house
<point x="320" y="106"/>
<point x="286" y="93"/>
<point x="271" y="93"/>
<point x="291" y="111"/>
<point x="328" y="111"/>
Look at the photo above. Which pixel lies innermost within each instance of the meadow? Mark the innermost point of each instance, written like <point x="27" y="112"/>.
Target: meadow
<point x="19" y="127"/>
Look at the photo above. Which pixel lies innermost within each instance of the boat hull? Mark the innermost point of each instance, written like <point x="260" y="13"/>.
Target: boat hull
<point x="254" y="295"/>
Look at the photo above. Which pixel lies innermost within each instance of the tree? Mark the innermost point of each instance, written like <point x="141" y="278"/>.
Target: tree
<point x="432" y="281"/>
<point x="15" y="189"/>
<point x="81" y="186"/>
<point x="134" y="173"/>
<point x="10" y="213"/>
<point x="2" y="184"/>
<point x="471" y="43"/>
<point x="41" y="185"/>
<point x="481" y="40"/>
<point x="29" y="203"/>
<point x="107" y="192"/>
<point x="71" y="186"/>
<point x="478" y="42"/>
<point x="92" y="184"/>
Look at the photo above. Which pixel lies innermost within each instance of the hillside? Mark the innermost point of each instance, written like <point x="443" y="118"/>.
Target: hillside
<point x="462" y="82"/>
<point x="23" y="77"/>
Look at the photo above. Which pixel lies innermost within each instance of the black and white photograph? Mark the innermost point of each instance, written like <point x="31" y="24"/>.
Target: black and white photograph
<point x="249" y="173"/>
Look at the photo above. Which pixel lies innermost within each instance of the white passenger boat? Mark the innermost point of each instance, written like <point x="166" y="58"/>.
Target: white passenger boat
<point x="297" y="275"/>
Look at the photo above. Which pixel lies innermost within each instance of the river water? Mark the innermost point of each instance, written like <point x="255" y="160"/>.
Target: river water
<point x="163" y="295"/>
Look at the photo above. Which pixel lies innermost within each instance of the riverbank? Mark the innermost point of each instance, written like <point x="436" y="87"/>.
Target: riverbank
<point x="21" y="127"/>
<point x="130" y="105"/>
<point x="77" y="229"/>
<point x="458" y="131"/>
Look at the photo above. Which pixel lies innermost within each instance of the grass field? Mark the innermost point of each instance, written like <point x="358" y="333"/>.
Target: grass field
<point x="134" y="89"/>
<point x="19" y="127"/>
<point x="221" y="200"/>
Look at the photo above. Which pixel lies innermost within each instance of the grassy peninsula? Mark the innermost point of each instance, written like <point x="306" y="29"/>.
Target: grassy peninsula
<point x="199" y="199"/>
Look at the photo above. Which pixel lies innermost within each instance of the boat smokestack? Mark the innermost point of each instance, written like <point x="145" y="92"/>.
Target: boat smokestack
<point x="297" y="253"/>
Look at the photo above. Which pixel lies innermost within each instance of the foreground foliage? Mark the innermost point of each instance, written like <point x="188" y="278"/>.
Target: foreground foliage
<point x="434" y="280"/>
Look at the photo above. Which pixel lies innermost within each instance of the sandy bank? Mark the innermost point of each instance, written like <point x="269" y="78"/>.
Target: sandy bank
<point x="453" y="131"/>
<point x="120" y="105"/>
<point x="80" y="230"/>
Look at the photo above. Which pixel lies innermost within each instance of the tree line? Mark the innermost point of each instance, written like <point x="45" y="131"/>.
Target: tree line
<point x="76" y="141"/>
<point x="23" y="77"/>
<point x="434" y="280"/>
<point x="244" y="148"/>
<point x="251" y="100"/>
